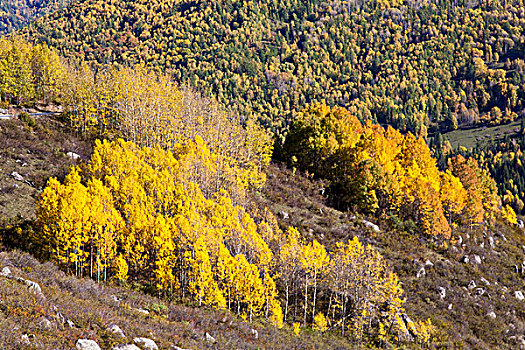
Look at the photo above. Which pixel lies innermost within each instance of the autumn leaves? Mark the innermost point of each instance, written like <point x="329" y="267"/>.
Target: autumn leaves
<point x="378" y="170"/>
<point x="136" y="213"/>
<point x="140" y="217"/>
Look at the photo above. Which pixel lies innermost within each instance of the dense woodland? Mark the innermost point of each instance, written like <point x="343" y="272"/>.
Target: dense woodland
<point x="420" y="66"/>
<point x="380" y="171"/>
<point x="424" y="67"/>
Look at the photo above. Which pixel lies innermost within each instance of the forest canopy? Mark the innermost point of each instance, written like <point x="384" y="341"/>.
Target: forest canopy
<point x="420" y="66"/>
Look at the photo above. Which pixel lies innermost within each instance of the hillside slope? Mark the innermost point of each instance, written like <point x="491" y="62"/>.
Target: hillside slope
<point x="471" y="289"/>
<point x="64" y="309"/>
<point x="41" y="320"/>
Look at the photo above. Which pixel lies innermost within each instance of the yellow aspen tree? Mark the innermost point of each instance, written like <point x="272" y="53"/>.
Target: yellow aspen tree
<point x="202" y="285"/>
<point x="289" y="264"/>
<point x="314" y="260"/>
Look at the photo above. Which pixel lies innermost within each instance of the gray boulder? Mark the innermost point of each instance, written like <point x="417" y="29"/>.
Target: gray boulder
<point x="372" y="226"/>
<point x="116" y="330"/>
<point x="472" y="285"/>
<point x="45" y="324"/>
<point x="209" y="338"/>
<point x="25" y="339"/>
<point x="519" y="295"/>
<point x="17" y="176"/>
<point x="492" y="315"/>
<point x="6" y="271"/>
<point x="421" y="272"/>
<point x="442" y="292"/>
<point x="73" y="155"/>
<point x="477" y="259"/>
<point x="255" y="333"/>
<point x="142" y="311"/>
<point x="491" y="242"/>
<point x="86" y="344"/>
<point x="146" y="343"/>
<point x="33" y="286"/>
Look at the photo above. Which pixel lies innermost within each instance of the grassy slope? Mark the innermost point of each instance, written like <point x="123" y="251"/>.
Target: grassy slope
<point x="470" y="137"/>
<point x="462" y="315"/>
<point x="35" y="153"/>
<point x="92" y="308"/>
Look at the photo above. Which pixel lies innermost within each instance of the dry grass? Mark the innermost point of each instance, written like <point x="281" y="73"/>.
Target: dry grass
<point x="92" y="308"/>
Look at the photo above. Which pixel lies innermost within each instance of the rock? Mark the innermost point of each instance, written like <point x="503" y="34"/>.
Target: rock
<point x="492" y="315"/>
<point x="86" y="344"/>
<point x="491" y="242"/>
<point x="33" y="286"/>
<point x="421" y="272"/>
<point x="255" y="333"/>
<point x="115" y="298"/>
<point x="520" y="224"/>
<point x="372" y="226"/>
<point x="116" y="330"/>
<point x="6" y="271"/>
<point x="477" y="259"/>
<point x="429" y="263"/>
<point x="142" y="311"/>
<point x="70" y="323"/>
<point x="450" y="306"/>
<point x="460" y="241"/>
<point x="209" y="338"/>
<point x="45" y="324"/>
<point x="465" y="259"/>
<point x="472" y="285"/>
<point x="17" y="176"/>
<point x="146" y="343"/>
<point x="442" y="292"/>
<point x="73" y="155"/>
<point x="125" y="347"/>
<point x="485" y="281"/>
<point x="519" y="295"/>
<point x="24" y="339"/>
<point x="480" y="291"/>
<point x="285" y="215"/>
